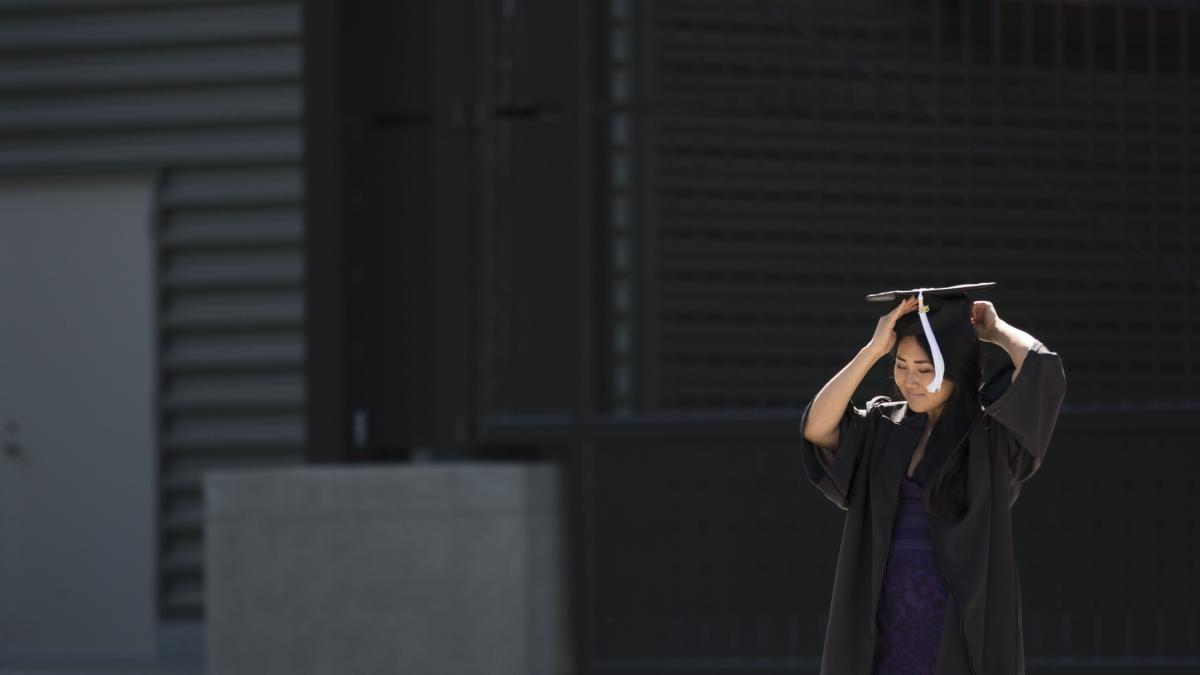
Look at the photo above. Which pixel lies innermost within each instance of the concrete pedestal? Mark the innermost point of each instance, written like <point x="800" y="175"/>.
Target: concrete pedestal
<point x="415" y="569"/>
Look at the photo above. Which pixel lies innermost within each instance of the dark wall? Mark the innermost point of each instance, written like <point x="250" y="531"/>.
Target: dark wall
<point x="447" y="154"/>
<point x="636" y="236"/>
<point x="792" y="157"/>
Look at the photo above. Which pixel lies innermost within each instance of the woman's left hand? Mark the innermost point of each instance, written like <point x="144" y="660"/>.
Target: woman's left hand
<point x="984" y="318"/>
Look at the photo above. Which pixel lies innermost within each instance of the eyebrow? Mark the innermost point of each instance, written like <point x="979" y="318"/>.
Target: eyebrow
<point x="901" y="358"/>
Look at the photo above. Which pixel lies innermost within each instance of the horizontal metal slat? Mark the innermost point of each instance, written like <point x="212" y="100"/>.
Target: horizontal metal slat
<point x="205" y="269"/>
<point x="232" y="187"/>
<point x="151" y="150"/>
<point x="122" y="29"/>
<point x="273" y="228"/>
<point x="243" y="391"/>
<point x="177" y="67"/>
<point x="185" y="473"/>
<point x="32" y="7"/>
<point x="184" y="561"/>
<point x="161" y="109"/>
<point x="224" y="352"/>
<point x="184" y="518"/>
<point x="229" y="438"/>
<point x="272" y="318"/>
<point x="182" y="596"/>
<point x="233" y="311"/>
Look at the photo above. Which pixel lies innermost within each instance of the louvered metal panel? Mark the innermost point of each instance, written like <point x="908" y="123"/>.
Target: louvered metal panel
<point x="207" y="94"/>
<point x="101" y="86"/>
<point x="49" y="28"/>
<point x="232" y="352"/>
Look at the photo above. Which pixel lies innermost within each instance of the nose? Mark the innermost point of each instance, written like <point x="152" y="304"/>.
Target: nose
<point x="910" y="382"/>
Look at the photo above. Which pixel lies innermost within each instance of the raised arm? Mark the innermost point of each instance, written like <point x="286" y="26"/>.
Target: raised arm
<point x="830" y="403"/>
<point x="991" y="328"/>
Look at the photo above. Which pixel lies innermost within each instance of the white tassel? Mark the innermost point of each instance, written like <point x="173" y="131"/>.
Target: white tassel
<point x="939" y="366"/>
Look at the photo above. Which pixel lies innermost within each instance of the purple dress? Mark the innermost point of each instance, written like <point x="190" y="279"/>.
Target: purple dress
<point x="912" y="602"/>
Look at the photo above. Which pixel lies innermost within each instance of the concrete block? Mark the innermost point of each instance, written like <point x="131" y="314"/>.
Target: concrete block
<point x="454" y="568"/>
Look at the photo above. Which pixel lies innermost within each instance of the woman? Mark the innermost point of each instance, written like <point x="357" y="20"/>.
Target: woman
<point x="926" y="578"/>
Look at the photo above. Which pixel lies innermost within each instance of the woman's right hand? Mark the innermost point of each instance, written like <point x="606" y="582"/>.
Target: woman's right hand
<point x="885" y="331"/>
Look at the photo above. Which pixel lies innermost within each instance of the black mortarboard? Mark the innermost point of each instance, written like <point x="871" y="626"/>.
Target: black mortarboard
<point x="938" y="308"/>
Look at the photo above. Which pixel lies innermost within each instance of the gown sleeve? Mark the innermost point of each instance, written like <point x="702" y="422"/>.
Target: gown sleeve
<point x="1026" y="409"/>
<point x="833" y="471"/>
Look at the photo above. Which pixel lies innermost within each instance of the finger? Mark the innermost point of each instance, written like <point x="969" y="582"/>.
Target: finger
<point x="903" y="308"/>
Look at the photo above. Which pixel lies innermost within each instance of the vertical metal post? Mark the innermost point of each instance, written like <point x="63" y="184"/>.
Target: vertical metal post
<point x="591" y="23"/>
<point x="326" y="434"/>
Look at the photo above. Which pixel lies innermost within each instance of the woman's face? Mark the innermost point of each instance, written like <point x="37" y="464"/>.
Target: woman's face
<point x="913" y="371"/>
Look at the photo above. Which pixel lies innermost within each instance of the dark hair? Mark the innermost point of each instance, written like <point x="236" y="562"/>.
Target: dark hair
<point x="945" y="491"/>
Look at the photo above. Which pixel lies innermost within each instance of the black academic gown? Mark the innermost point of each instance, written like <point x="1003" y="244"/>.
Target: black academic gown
<point x="981" y="634"/>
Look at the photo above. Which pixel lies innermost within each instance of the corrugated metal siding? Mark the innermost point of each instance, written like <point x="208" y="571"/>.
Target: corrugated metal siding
<point x="232" y="344"/>
<point x="208" y="95"/>
<point x="99" y="86"/>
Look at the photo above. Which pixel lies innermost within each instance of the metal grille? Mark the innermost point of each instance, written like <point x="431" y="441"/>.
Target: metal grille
<point x="801" y="154"/>
<point x="207" y="94"/>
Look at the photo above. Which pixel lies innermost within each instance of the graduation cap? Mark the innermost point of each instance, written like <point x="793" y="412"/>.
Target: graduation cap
<point x="937" y="308"/>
